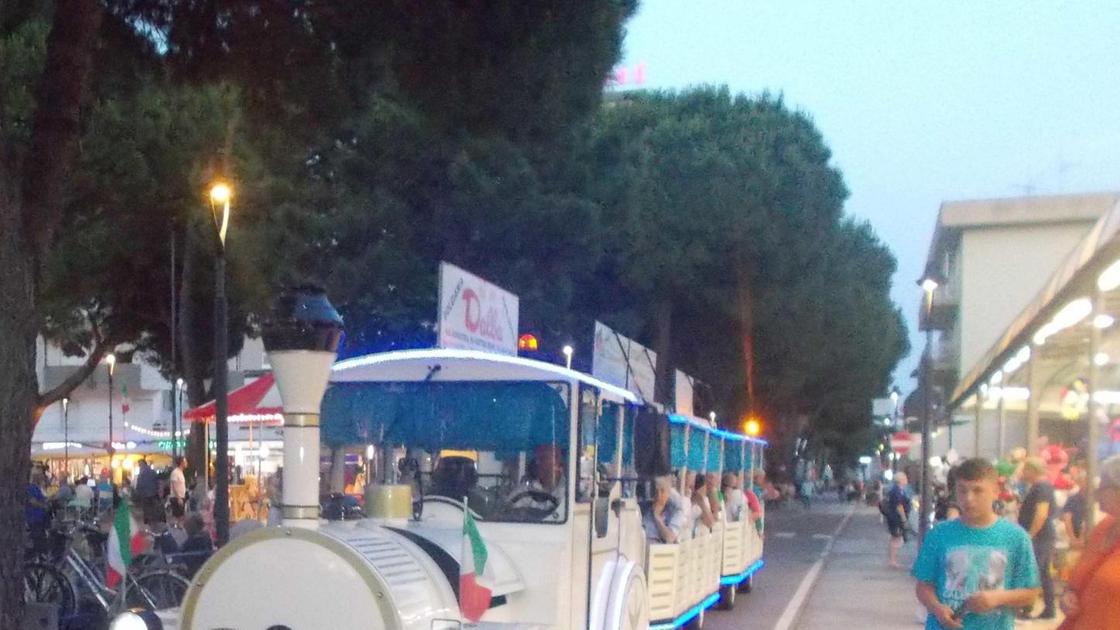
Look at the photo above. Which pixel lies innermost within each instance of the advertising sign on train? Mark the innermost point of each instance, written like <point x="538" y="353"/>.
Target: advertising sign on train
<point x="475" y="314"/>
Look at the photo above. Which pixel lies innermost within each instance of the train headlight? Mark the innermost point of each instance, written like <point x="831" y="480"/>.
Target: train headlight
<point x="136" y="619"/>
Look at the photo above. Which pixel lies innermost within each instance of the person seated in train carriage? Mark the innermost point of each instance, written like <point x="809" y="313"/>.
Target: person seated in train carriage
<point x="701" y="505"/>
<point x="547" y="477"/>
<point x="665" y="520"/>
<point x="734" y="499"/>
<point x="715" y="496"/>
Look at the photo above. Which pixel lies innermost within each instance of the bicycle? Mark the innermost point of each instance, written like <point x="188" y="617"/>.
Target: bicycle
<point x="44" y="582"/>
<point x="156" y="589"/>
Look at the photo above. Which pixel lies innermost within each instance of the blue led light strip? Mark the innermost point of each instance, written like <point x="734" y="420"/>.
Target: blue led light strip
<point x="688" y="614"/>
<point x="728" y="580"/>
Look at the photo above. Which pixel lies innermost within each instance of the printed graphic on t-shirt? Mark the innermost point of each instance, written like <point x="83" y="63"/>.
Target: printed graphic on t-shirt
<point x="969" y="569"/>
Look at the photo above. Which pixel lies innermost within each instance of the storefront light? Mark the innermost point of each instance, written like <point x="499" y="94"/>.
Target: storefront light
<point x="1023" y="355"/>
<point x="1015" y="393"/>
<point x="1073" y="313"/>
<point x="1103" y="321"/>
<point x="1101" y="359"/>
<point x="997" y="378"/>
<point x="1110" y="277"/>
<point x="1044" y="333"/>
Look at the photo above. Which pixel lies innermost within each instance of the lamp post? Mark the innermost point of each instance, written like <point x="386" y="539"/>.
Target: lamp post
<point x="111" y="363"/>
<point x="220" y="194"/>
<point x="66" y="433"/>
<point x="568" y="351"/>
<point x="301" y="339"/>
<point x="929" y="284"/>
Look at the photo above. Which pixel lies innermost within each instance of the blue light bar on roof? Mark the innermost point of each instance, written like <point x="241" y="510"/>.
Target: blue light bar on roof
<point x="677" y="418"/>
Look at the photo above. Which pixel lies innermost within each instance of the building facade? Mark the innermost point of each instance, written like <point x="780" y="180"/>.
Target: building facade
<point x="992" y="259"/>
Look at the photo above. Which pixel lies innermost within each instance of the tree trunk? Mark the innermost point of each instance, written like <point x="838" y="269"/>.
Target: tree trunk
<point x="663" y="316"/>
<point x="19" y="391"/>
<point x="193" y="358"/>
<point x="745" y="296"/>
<point x="28" y="221"/>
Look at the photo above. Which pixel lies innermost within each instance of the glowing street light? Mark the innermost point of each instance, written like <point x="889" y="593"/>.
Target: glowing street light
<point x="568" y="352"/>
<point x="220" y="194"/>
<point x="752" y="427"/>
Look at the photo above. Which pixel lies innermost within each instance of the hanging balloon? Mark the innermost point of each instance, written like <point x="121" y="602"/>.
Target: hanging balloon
<point x="1074" y="399"/>
<point x="1005" y="468"/>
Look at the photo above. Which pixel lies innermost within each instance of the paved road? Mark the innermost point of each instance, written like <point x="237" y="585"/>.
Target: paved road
<point x="795" y="540"/>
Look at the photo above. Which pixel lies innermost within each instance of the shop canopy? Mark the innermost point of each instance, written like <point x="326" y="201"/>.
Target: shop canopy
<point x="257" y="402"/>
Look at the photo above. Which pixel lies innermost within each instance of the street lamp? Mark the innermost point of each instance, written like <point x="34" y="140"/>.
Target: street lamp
<point x="66" y="433"/>
<point x="220" y="195"/>
<point x="568" y="351"/>
<point x="111" y="363"/>
<point x="929" y="283"/>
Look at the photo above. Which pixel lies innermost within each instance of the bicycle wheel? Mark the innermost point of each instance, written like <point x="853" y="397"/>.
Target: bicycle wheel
<point x="45" y="584"/>
<point x="157" y="590"/>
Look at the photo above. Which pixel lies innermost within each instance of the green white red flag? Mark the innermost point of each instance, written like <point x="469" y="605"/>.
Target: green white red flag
<point x="126" y="402"/>
<point x="474" y="584"/>
<point x="123" y="544"/>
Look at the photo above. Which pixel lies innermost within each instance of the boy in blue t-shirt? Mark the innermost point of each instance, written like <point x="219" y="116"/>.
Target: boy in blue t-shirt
<point x="975" y="571"/>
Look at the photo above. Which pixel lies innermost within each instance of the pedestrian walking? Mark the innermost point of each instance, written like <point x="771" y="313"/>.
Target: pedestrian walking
<point x="895" y="508"/>
<point x="1090" y="603"/>
<point x="37" y="512"/>
<point x="147" y="493"/>
<point x="974" y="571"/>
<point x="1036" y="516"/>
<point x="177" y="499"/>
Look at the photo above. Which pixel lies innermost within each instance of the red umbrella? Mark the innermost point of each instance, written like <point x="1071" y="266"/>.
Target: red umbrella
<point x="258" y="401"/>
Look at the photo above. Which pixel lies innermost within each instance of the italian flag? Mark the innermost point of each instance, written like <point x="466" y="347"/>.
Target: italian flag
<point x="474" y="593"/>
<point x="123" y="544"/>
<point x="126" y="402"/>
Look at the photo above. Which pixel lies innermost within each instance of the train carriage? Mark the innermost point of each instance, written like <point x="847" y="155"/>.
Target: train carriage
<point x="550" y="465"/>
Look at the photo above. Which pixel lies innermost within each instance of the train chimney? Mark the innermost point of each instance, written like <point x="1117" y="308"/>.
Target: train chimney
<point x="301" y="338"/>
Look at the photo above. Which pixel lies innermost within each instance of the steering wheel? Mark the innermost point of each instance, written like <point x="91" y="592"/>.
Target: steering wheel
<point x="533" y="511"/>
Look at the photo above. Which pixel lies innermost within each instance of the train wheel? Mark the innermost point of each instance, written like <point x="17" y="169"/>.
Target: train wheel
<point x="746" y="585"/>
<point x="727" y="597"/>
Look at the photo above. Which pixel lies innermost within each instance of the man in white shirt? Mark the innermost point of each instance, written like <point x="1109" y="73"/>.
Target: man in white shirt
<point x="178" y="496"/>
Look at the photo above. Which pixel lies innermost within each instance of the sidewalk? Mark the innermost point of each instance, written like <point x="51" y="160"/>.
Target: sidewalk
<point x="855" y="588"/>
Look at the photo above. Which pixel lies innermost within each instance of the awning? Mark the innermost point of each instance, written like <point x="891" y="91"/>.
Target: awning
<point x="258" y="401"/>
<point x="1073" y="277"/>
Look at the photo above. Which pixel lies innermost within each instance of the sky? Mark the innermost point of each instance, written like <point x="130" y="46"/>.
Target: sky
<point x="920" y="102"/>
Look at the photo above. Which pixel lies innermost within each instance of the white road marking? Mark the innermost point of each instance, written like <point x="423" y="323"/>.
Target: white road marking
<point x="822" y="537"/>
<point x="789" y="615"/>
<point x="784" y="534"/>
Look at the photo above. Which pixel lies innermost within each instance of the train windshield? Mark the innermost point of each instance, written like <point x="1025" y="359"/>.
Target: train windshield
<point x="500" y="446"/>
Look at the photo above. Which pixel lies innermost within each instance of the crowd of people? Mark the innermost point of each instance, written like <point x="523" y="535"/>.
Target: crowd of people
<point x="671" y="516"/>
<point x="180" y="522"/>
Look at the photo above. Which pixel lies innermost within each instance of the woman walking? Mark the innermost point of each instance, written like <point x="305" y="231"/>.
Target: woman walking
<point x="1094" y="584"/>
